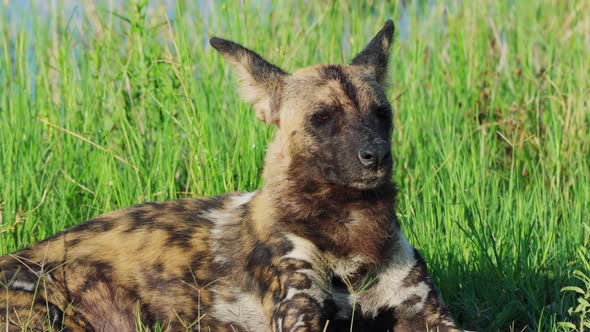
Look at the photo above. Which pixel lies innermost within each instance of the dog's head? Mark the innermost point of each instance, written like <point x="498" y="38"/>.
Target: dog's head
<point x="334" y="121"/>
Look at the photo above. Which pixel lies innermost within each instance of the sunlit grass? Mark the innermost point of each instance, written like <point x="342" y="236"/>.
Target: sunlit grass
<point x="114" y="104"/>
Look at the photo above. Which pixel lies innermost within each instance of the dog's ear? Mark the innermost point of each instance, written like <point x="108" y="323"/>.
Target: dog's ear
<point x="261" y="83"/>
<point x="375" y="55"/>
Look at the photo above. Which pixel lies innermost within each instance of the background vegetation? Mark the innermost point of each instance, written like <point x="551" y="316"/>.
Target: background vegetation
<point x="106" y="104"/>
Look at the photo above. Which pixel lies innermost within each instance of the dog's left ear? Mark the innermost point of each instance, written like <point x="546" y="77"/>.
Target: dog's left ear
<point x="375" y="56"/>
<point x="261" y="83"/>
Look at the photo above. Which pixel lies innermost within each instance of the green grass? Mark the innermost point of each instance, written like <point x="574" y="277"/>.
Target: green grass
<point x="118" y="104"/>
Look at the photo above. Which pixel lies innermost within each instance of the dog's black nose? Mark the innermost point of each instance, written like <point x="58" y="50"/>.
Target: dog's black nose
<point x="367" y="157"/>
<point x="373" y="154"/>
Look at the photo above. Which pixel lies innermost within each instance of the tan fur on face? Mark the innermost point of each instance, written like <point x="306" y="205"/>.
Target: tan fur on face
<point x="306" y="89"/>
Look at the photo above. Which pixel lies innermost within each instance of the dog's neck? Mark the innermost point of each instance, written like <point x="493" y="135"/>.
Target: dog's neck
<point x="341" y="217"/>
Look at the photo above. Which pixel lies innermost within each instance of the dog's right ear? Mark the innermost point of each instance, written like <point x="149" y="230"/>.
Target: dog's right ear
<point x="261" y="83"/>
<point x="375" y="56"/>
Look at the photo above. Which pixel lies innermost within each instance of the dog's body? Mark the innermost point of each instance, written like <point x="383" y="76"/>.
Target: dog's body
<point x="317" y="240"/>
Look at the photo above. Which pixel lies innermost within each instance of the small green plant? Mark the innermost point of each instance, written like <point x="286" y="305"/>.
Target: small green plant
<point x="581" y="311"/>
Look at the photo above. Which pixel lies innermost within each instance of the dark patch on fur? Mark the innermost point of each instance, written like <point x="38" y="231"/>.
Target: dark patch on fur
<point x="335" y="73"/>
<point x="383" y="322"/>
<point x="293" y="264"/>
<point x="209" y="204"/>
<point x="158" y="267"/>
<point x="55" y="314"/>
<point x="144" y="216"/>
<point x="95" y="225"/>
<point x="411" y="301"/>
<point x="434" y="310"/>
<point x="260" y="264"/>
<point x="418" y="273"/>
<point x="99" y="271"/>
<point x="155" y="217"/>
<point x="374" y="54"/>
<point x="156" y="281"/>
<point x="179" y="236"/>
<point x="261" y="255"/>
<point x="201" y="261"/>
<point x="74" y="241"/>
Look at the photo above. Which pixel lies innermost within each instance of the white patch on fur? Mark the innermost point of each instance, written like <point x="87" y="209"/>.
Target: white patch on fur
<point x="345" y="267"/>
<point x="303" y="249"/>
<point x="241" y="199"/>
<point x="300" y="322"/>
<point x="24" y="285"/>
<point x="388" y="291"/>
<point x="245" y="310"/>
<point x="224" y="216"/>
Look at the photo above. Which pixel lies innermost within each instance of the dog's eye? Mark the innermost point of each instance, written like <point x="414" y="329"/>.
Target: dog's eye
<point x="321" y="117"/>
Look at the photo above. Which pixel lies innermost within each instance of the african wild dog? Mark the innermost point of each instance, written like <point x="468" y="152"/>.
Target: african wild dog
<point x="319" y="237"/>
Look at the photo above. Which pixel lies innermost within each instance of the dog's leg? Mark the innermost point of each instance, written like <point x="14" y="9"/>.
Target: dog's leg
<point x="293" y="285"/>
<point x="404" y="291"/>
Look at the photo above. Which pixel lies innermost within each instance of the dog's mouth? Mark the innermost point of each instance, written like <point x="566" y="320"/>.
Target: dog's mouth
<point x="363" y="181"/>
<point x="372" y="182"/>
